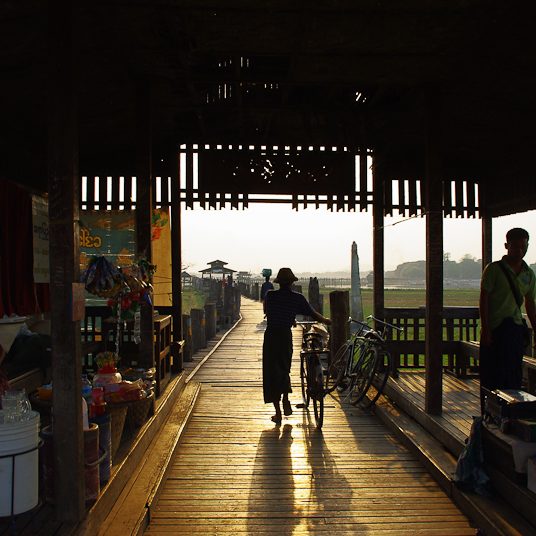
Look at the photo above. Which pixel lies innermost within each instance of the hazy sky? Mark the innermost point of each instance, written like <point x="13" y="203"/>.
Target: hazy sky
<point x="316" y="240"/>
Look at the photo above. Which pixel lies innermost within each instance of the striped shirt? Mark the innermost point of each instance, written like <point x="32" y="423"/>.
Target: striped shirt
<point x="283" y="305"/>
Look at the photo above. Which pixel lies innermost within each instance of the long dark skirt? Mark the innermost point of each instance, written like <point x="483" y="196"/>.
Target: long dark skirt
<point x="276" y="361"/>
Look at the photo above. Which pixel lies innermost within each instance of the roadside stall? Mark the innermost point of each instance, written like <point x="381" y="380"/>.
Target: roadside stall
<point x="118" y="388"/>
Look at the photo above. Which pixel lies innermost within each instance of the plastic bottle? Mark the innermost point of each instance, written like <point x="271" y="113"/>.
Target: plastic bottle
<point x="86" y="389"/>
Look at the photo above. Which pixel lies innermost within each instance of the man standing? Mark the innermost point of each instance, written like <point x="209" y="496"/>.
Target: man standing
<point x="505" y="285"/>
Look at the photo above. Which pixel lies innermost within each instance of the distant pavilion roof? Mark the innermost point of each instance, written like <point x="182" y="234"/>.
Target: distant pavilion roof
<point x="217" y="267"/>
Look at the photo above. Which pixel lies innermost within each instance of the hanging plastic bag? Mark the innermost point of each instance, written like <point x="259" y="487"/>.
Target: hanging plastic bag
<point x="470" y="472"/>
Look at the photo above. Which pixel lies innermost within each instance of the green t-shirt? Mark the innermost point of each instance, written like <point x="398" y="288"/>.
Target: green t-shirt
<point x="502" y="303"/>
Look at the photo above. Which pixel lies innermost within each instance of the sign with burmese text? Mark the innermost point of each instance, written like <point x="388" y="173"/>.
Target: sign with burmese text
<point x="112" y="234"/>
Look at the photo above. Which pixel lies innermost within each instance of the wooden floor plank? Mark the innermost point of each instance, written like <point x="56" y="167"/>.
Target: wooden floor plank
<point x="237" y="473"/>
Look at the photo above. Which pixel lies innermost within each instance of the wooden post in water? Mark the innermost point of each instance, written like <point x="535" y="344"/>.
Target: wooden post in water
<point x="144" y="212"/>
<point x="64" y="236"/>
<point x="339" y="305"/>
<point x="434" y="260"/>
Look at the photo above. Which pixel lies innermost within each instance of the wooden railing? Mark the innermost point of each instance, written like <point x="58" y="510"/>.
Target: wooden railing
<point x="408" y="346"/>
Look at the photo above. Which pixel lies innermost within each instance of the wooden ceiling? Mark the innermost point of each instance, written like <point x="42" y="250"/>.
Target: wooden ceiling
<point x="346" y="73"/>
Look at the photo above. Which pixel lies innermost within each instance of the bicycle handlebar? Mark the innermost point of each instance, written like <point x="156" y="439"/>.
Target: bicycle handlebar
<point x="384" y="323"/>
<point x="304" y="324"/>
<point x="371" y="317"/>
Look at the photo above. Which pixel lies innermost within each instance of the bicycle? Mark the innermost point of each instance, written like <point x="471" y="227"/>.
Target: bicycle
<point x="361" y="362"/>
<point x="313" y="365"/>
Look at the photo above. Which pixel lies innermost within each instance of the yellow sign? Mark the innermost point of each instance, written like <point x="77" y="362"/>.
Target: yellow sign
<point x="88" y="241"/>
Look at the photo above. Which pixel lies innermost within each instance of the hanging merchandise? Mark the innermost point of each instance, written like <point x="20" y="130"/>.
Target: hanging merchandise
<point x="137" y="280"/>
<point x="126" y="288"/>
<point x="102" y="278"/>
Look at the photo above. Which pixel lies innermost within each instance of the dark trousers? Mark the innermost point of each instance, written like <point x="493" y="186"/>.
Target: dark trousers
<point x="501" y="363"/>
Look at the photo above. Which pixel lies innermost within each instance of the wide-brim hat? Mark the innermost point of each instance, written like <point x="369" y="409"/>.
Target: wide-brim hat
<point x="285" y="275"/>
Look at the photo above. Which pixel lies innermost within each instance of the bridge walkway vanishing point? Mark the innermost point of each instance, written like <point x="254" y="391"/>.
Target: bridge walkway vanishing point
<point x="235" y="472"/>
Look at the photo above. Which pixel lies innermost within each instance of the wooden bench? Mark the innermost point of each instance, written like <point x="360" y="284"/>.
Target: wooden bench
<point x="472" y="349"/>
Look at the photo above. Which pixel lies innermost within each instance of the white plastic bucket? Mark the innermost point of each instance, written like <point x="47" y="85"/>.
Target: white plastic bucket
<point x="16" y="438"/>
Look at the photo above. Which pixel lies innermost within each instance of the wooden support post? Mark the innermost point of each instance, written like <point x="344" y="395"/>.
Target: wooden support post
<point x="63" y="189"/>
<point x="144" y="212"/>
<point x="210" y="320"/>
<point x="199" y="339"/>
<point x="187" y="351"/>
<point x="434" y="261"/>
<point x="256" y="293"/>
<point x="176" y="250"/>
<point x="339" y="305"/>
<point x="487" y="235"/>
<point x="314" y="294"/>
<point x="378" y="246"/>
<point x="236" y="304"/>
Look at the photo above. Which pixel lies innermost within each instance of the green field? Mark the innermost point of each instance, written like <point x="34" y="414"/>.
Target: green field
<point x="411" y="298"/>
<point x="193" y="299"/>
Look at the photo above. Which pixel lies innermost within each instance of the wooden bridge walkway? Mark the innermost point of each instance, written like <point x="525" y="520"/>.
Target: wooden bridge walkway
<point x="238" y="473"/>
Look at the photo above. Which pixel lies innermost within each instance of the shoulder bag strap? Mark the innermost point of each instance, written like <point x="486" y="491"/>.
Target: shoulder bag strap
<point x="513" y="287"/>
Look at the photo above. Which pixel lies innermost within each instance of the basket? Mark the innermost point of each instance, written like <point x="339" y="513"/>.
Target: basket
<point x="137" y="412"/>
<point x="118" y="414"/>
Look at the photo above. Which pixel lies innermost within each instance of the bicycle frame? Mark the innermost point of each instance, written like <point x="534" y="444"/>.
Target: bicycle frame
<point x="361" y="355"/>
<point x="312" y="372"/>
<point x="373" y="364"/>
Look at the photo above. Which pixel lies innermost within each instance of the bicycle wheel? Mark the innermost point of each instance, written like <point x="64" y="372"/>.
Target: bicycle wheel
<point x="318" y="406"/>
<point x="381" y="375"/>
<point x="362" y="375"/>
<point x="316" y="388"/>
<point x="337" y="367"/>
<point x="303" y="378"/>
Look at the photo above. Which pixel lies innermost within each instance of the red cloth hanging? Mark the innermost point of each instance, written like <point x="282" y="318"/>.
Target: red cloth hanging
<point x="18" y="292"/>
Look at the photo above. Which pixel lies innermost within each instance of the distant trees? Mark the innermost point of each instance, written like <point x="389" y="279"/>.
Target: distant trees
<point x="468" y="267"/>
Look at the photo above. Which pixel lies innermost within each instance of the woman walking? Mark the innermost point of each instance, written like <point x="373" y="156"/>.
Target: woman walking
<point x="281" y="307"/>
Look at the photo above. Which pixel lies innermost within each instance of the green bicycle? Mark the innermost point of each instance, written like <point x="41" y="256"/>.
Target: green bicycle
<point x="361" y="362"/>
